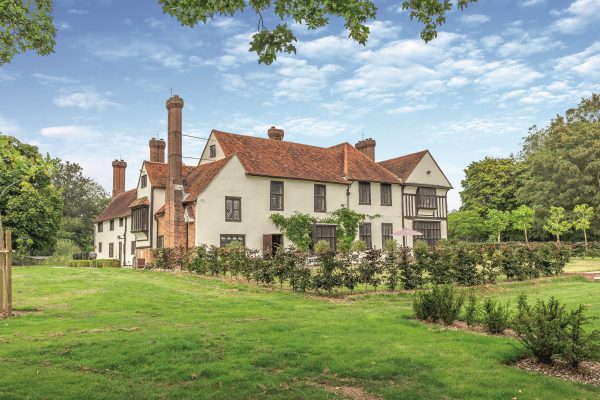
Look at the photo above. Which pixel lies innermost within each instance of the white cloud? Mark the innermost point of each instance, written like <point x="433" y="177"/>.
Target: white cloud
<point x="457" y="81"/>
<point x="468" y="129"/>
<point x="527" y="45"/>
<point x="7" y="77"/>
<point x="300" y="80"/>
<point x="64" y="26"/>
<point x="228" y="24"/>
<point x="473" y="19"/>
<point x="586" y="63"/>
<point x="580" y="15"/>
<point x="8" y="126"/>
<point x="234" y="83"/>
<point x="77" y="11"/>
<point x="154" y="23"/>
<point x="491" y="41"/>
<point x="69" y="132"/>
<point x="83" y="98"/>
<point x="531" y="3"/>
<point x="46" y="79"/>
<point x="508" y="74"/>
<point x="317" y="127"/>
<point x="411" y="109"/>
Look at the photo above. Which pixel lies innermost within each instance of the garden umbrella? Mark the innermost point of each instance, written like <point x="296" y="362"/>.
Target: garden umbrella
<point x="407" y="232"/>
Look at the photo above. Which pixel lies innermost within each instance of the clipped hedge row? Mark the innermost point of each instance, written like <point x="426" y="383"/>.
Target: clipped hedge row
<point x="395" y="267"/>
<point x="100" y="263"/>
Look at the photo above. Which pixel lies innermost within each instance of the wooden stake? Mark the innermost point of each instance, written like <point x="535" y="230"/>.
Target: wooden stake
<point x="8" y="274"/>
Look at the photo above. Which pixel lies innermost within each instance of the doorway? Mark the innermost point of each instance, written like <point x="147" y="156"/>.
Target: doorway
<point x="272" y="243"/>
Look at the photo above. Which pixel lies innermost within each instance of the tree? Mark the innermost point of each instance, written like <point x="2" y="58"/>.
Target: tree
<point x="562" y="163"/>
<point x="25" y="25"/>
<point x="557" y="224"/>
<point x="583" y="219"/>
<point x="491" y="183"/>
<point x="29" y="204"/>
<point x="497" y="222"/>
<point x="522" y="219"/>
<point x="466" y="225"/>
<point x="83" y="199"/>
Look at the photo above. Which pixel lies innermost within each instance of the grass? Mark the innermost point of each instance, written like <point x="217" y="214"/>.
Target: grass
<point x="583" y="264"/>
<point x="112" y="333"/>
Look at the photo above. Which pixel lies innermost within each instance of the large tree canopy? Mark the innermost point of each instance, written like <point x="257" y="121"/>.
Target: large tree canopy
<point x="30" y="205"/>
<point x="563" y="162"/>
<point x="491" y="184"/>
<point x="27" y="24"/>
<point x="83" y="198"/>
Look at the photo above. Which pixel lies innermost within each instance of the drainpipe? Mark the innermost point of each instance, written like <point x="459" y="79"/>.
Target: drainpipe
<point x="348" y="194"/>
<point x="402" y="211"/>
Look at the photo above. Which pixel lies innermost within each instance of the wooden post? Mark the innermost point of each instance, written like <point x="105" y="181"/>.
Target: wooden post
<point x="8" y="274"/>
<point x="1" y="271"/>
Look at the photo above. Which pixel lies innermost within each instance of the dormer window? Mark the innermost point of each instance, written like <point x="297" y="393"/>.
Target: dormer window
<point x="144" y="181"/>
<point x="213" y="151"/>
<point x="426" y="197"/>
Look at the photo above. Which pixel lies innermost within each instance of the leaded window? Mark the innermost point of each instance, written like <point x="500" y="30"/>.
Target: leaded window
<point x="431" y="230"/>
<point x="144" y="181"/>
<point x="364" y="233"/>
<point x="276" y="198"/>
<point x="228" y="238"/>
<point x="426" y="197"/>
<point x="213" y="151"/>
<point x="100" y="226"/>
<point x="387" y="233"/>
<point x="320" y="198"/>
<point x="133" y="247"/>
<point x="139" y="219"/>
<point x="326" y="232"/>
<point x="111" y="250"/>
<point x="386" y="194"/>
<point x="364" y="193"/>
<point x="233" y="209"/>
<point x="112" y="225"/>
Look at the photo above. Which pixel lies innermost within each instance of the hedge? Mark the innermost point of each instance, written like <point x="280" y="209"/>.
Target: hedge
<point x="100" y="263"/>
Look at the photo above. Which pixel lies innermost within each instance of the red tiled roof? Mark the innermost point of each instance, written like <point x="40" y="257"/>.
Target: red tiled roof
<point x="142" y="201"/>
<point x="201" y="176"/>
<point x="161" y="210"/>
<point x="405" y="165"/>
<point x="119" y="206"/>
<point x="158" y="173"/>
<point x="282" y="159"/>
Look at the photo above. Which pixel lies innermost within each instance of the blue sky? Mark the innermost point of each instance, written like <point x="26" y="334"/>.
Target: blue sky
<point x="494" y="71"/>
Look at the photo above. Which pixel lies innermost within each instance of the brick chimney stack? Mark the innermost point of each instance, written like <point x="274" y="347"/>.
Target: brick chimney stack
<point x="119" y="167"/>
<point x="157" y="150"/>
<point x="174" y="220"/>
<point x="367" y="147"/>
<point x="275" y="133"/>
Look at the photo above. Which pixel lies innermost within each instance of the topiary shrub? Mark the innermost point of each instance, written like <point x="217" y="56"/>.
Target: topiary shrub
<point x="496" y="316"/>
<point x="105" y="263"/>
<point x="465" y="260"/>
<point x="471" y="309"/>
<point x="441" y="303"/>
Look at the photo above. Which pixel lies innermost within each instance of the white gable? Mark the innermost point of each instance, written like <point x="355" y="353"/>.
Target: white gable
<point x="427" y="172"/>
<point x="206" y="158"/>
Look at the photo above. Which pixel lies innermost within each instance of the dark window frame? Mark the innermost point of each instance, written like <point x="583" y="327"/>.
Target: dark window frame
<point x="364" y="193"/>
<point x="121" y="221"/>
<point x="365" y="233"/>
<point x="387" y="233"/>
<point x="431" y="230"/>
<point x="320" y="199"/>
<point x="386" y="195"/>
<point x="212" y="149"/>
<point x="111" y="250"/>
<point x="276" y="197"/>
<point x="233" y="200"/>
<point x="327" y="232"/>
<point x="160" y="242"/>
<point x="99" y="247"/>
<point x="111" y="225"/>
<point x="139" y="219"/>
<point x="226" y="238"/>
<point x="144" y="181"/>
<point x="100" y="226"/>
<point x="426" y="197"/>
<point x="133" y="245"/>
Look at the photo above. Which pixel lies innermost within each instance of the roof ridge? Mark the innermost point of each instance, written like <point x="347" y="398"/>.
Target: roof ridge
<point x="272" y="141"/>
<point x="405" y="155"/>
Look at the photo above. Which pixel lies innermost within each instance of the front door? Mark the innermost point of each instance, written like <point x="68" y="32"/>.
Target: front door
<point x="271" y="243"/>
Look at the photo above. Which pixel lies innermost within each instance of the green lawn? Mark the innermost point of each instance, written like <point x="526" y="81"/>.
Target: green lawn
<point x="583" y="264"/>
<point x="110" y="333"/>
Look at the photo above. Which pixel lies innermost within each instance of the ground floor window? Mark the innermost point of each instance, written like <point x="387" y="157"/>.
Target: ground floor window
<point x="226" y="239"/>
<point x="111" y="250"/>
<point x="364" y="233"/>
<point x="99" y="247"/>
<point x="325" y="232"/>
<point x="133" y="248"/>
<point x="431" y="230"/>
<point x="387" y="233"/>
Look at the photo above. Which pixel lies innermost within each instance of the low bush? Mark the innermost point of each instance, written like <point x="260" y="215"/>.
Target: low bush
<point x="441" y="303"/>
<point x="496" y="316"/>
<point x="105" y="263"/>
<point x="471" y="309"/>
<point x="580" y="346"/>
<point x="80" y="263"/>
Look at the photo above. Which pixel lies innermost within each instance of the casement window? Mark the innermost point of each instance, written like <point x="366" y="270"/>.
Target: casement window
<point x="111" y="250"/>
<point x="426" y="197"/>
<point x="144" y="181"/>
<point x="139" y="219"/>
<point x="112" y="225"/>
<point x="364" y="233"/>
<point x="99" y="247"/>
<point x="431" y="230"/>
<point x="226" y="239"/>
<point x="120" y="250"/>
<point x="133" y="247"/>
<point x="100" y="226"/>
<point x="233" y="209"/>
<point x="276" y="198"/>
<point x="386" y="194"/>
<point x="213" y="150"/>
<point x="160" y="242"/>
<point x="320" y="198"/>
<point x="120" y="221"/>
<point x="387" y="233"/>
<point x="326" y="232"/>
<point x="364" y="193"/>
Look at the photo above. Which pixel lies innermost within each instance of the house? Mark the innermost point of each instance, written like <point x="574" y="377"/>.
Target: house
<point x="241" y="180"/>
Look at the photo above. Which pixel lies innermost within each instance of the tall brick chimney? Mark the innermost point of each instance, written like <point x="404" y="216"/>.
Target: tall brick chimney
<point x="367" y="147"/>
<point x="119" y="167"/>
<point x="157" y="150"/>
<point x="275" y="133"/>
<point x="174" y="220"/>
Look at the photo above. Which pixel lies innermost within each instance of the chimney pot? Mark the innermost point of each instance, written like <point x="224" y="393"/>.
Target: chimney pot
<point x="157" y="150"/>
<point x="367" y="147"/>
<point x="275" y="133"/>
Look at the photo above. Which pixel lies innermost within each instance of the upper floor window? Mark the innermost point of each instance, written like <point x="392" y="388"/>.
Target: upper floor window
<point x="144" y="181"/>
<point x="213" y="150"/>
<point x="120" y="221"/>
<point x="139" y="219"/>
<point x="426" y="197"/>
<point x="100" y="226"/>
<point x="233" y="209"/>
<point x="386" y="194"/>
<point x="365" y="234"/>
<point x="112" y="225"/>
<point x="276" y="196"/>
<point x="320" y="198"/>
<point x="364" y="193"/>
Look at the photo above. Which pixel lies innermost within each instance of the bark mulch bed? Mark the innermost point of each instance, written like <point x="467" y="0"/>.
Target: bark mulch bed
<point x="588" y="371"/>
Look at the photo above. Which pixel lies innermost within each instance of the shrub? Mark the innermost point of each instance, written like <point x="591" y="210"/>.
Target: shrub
<point x="411" y="272"/>
<point x="465" y="260"/>
<point x="496" y="316"/>
<point x="328" y="275"/>
<point x="105" y="263"/>
<point x="580" y="345"/>
<point x="322" y="246"/>
<point x="370" y="268"/>
<point x="471" y="309"/>
<point x="358" y="246"/>
<point x="441" y="303"/>
<point x="439" y="264"/>
<point x="197" y="261"/>
<point x="391" y="265"/>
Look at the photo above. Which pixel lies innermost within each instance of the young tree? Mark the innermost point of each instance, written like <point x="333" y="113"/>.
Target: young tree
<point x="466" y="225"/>
<point x="583" y="219"/>
<point x="497" y="222"/>
<point x="557" y="223"/>
<point x="522" y="219"/>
